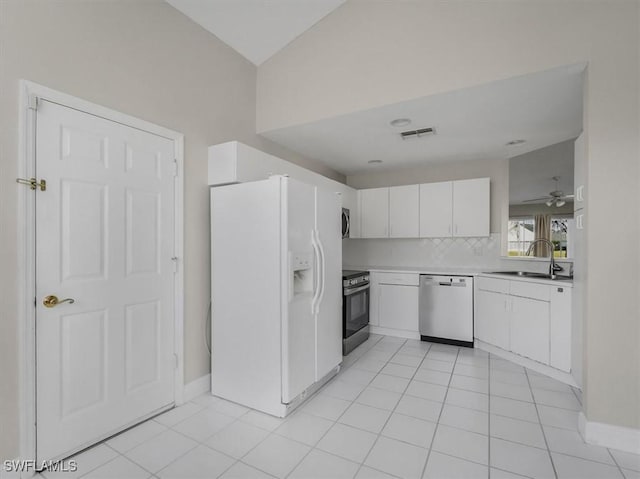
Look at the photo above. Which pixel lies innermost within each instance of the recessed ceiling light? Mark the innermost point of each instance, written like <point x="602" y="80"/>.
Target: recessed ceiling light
<point x="515" y="142"/>
<point x="374" y="162"/>
<point x="398" y="122"/>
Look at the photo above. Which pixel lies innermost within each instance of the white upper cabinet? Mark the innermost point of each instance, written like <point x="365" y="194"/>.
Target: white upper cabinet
<point x="436" y="209"/>
<point x="430" y="210"/>
<point x="471" y="207"/>
<point x="374" y="213"/>
<point x="404" y="211"/>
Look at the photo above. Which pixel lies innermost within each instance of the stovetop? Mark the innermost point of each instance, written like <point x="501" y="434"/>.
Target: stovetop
<point x="350" y="273"/>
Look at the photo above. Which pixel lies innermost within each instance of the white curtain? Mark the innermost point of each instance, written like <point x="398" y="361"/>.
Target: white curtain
<point x="542" y="230"/>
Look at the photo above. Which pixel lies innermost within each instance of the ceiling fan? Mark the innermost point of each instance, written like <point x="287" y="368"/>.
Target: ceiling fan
<point x="556" y="196"/>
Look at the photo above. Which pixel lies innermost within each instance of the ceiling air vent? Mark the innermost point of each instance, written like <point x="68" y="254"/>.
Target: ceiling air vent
<point x="417" y="133"/>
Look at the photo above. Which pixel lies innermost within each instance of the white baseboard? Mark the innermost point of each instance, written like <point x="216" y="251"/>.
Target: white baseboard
<point x="197" y="387"/>
<point x="398" y="333"/>
<point x="554" y="373"/>
<point x="609" y="435"/>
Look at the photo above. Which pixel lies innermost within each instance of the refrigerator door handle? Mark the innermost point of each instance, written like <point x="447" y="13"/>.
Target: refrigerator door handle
<point x="316" y="272"/>
<point x="322" y="273"/>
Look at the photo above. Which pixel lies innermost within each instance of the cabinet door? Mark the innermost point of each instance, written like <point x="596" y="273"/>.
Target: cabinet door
<point x="471" y="208"/>
<point x="560" y="328"/>
<point x="530" y="328"/>
<point x="491" y="323"/>
<point x="374" y="299"/>
<point x="374" y="213"/>
<point x="398" y="307"/>
<point x="404" y="218"/>
<point x="436" y="209"/>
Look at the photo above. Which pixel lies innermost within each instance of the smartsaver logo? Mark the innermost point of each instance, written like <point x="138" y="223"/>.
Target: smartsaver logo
<point x="31" y="465"/>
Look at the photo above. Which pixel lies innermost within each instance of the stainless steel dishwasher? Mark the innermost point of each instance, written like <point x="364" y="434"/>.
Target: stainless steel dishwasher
<point x="446" y="309"/>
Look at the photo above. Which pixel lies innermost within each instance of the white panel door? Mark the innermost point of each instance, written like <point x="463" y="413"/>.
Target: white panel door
<point x="374" y="213"/>
<point x="436" y="209"/>
<point x="329" y="311"/>
<point x="471" y="207"/>
<point x="404" y="217"/>
<point x="105" y="238"/>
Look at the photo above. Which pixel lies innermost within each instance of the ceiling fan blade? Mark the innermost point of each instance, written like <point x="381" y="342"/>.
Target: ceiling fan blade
<point x="538" y="199"/>
<point x="569" y="196"/>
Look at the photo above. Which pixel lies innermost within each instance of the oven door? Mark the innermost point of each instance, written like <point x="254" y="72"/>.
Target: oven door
<point x="355" y="309"/>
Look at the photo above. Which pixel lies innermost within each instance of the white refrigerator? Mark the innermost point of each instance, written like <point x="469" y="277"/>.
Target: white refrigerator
<point x="276" y="259"/>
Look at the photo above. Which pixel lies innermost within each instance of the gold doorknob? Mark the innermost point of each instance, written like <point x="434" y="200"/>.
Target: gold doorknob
<point x="51" y="301"/>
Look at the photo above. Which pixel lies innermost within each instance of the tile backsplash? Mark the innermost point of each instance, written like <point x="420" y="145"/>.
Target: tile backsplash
<point x="476" y="253"/>
<point x="425" y="252"/>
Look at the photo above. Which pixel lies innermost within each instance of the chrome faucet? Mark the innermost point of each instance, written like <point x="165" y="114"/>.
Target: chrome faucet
<point x="552" y="247"/>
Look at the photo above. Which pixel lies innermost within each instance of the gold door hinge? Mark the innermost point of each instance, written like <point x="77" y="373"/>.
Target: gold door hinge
<point x="32" y="183"/>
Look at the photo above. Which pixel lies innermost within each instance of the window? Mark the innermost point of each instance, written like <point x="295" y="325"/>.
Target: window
<point x="522" y="232"/>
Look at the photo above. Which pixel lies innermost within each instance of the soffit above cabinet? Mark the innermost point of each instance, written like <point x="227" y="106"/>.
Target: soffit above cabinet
<point x="476" y="123"/>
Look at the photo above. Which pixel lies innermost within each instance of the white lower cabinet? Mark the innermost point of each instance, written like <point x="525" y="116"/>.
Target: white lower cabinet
<point x="399" y="307"/>
<point x="492" y="318"/>
<point x="530" y="328"/>
<point x="560" y="328"/>
<point x="394" y="302"/>
<point x="529" y="319"/>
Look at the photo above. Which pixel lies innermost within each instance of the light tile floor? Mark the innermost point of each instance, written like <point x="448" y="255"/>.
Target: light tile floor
<point x="398" y="408"/>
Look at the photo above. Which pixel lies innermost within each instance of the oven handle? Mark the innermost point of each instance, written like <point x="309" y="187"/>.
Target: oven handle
<point x="349" y="292"/>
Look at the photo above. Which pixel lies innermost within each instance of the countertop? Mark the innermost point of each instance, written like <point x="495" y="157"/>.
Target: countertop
<point x="420" y="270"/>
<point x="460" y="271"/>
<point x="563" y="282"/>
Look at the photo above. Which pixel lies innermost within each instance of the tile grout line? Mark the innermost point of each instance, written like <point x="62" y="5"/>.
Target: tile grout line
<point x="616" y="462"/>
<point x="444" y="400"/>
<point x="311" y="448"/>
<point x="544" y="435"/>
<point x="353" y="365"/>
<point x="396" y="406"/>
<point x="391" y="412"/>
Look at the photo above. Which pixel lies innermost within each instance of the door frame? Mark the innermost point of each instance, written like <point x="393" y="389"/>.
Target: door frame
<point x="30" y="94"/>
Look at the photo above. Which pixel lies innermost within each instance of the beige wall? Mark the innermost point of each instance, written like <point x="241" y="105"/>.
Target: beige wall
<point x="145" y="59"/>
<point x="368" y="54"/>
<point x="496" y="170"/>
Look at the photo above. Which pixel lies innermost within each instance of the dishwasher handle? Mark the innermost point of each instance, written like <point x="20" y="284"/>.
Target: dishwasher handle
<point x="426" y="280"/>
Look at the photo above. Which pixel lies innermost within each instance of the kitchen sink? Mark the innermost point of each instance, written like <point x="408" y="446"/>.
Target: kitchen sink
<point x="528" y="274"/>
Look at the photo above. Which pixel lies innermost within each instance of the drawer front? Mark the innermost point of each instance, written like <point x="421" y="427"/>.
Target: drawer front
<point x="406" y="279"/>
<point x="530" y="290"/>
<point x="493" y="284"/>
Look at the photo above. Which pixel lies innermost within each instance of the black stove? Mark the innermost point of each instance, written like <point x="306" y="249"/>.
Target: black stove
<point x="355" y="309"/>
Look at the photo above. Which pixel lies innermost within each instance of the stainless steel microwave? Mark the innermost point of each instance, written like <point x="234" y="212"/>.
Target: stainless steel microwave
<point x="346" y="225"/>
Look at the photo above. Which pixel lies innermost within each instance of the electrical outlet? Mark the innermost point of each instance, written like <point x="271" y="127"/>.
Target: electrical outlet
<point x="477" y="250"/>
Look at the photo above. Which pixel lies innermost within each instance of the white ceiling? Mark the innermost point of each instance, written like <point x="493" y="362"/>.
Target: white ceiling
<point x="531" y="175"/>
<point x="256" y="29"/>
<point x="475" y="123"/>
